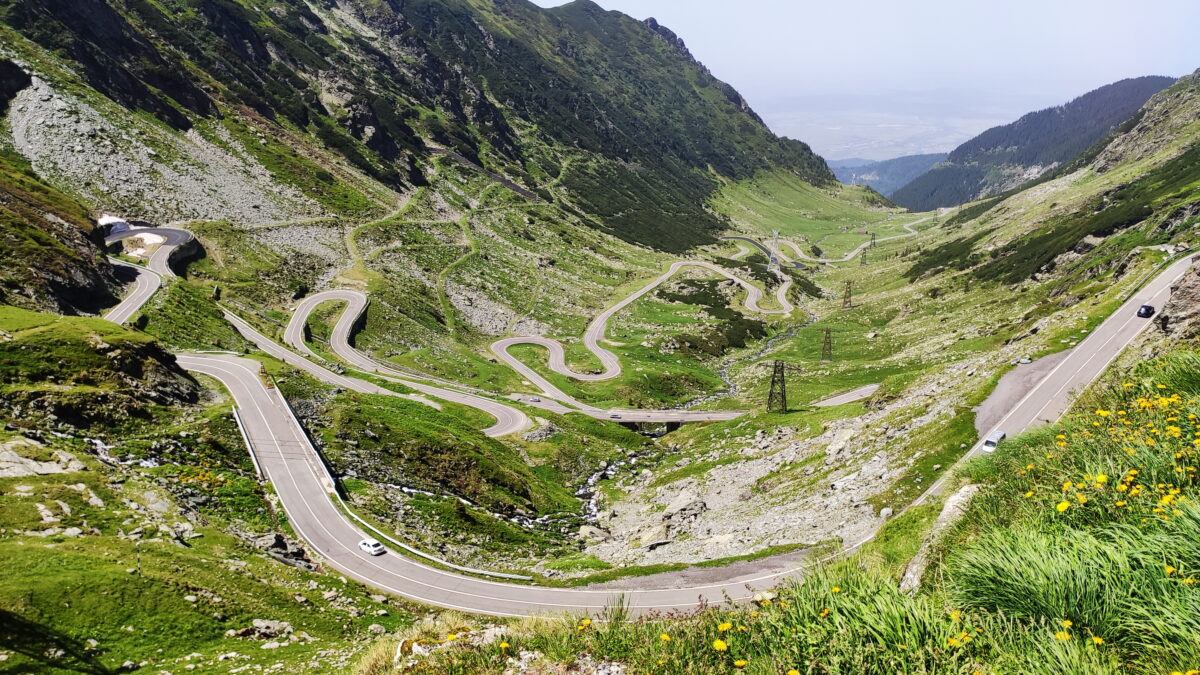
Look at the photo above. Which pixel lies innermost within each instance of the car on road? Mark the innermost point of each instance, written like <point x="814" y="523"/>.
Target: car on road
<point x="371" y="546"/>
<point x="535" y="399"/>
<point x="1146" y="311"/>
<point x="993" y="439"/>
<point x="615" y="416"/>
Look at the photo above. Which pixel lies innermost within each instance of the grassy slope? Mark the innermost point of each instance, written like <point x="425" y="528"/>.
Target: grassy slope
<point x="779" y="201"/>
<point x="1080" y="556"/>
<point x="59" y="591"/>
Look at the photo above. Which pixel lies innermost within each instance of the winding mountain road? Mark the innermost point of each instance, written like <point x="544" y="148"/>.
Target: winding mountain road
<point x="294" y="467"/>
<point x="509" y="419"/>
<point x="598" y="328"/>
<point x="775" y="257"/>
<point x="784" y="261"/>
<point x="148" y="279"/>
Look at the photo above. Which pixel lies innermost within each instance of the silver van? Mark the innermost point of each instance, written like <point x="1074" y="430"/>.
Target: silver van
<point x="993" y="439"/>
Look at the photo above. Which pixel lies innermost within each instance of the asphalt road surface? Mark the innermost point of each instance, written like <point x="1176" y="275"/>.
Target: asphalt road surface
<point x="1053" y="394"/>
<point x="148" y="279"/>
<point x="146" y="284"/>
<point x="294" y="468"/>
<point x="161" y="258"/>
<point x="848" y="397"/>
<point x="861" y="247"/>
<point x="773" y="256"/>
<point x="597" y="329"/>
<point x="289" y="461"/>
<point x="509" y="419"/>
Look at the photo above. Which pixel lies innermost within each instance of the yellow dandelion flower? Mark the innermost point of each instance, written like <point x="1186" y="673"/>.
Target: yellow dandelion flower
<point x="1067" y="623"/>
<point x="1102" y="478"/>
<point x="586" y="622"/>
<point x="793" y="671"/>
<point x="504" y="645"/>
<point x="451" y="637"/>
<point x="664" y="637"/>
<point x="1081" y="499"/>
<point x="724" y="626"/>
<point x="740" y="663"/>
<point x="720" y="645"/>
<point x="1169" y="569"/>
<point x="1062" y="635"/>
<point x="955" y="615"/>
<point x="1097" y="640"/>
<point x="1063" y="506"/>
<point x="1029" y="494"/>
<point x="836" y="589"/>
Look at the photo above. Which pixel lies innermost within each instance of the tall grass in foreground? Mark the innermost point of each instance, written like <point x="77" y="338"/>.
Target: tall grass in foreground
<point x="1081" y="556"/>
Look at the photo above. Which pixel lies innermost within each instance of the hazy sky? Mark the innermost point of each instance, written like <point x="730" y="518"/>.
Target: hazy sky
<point x="883" y="78"/>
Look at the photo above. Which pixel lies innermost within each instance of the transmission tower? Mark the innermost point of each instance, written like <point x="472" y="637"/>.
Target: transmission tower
<point x="862" y="259"/>
<point x="872" y="240"/>
<point x="846" y="301"/>
<point x="827" y="348"/>
<point x="777" y="398"/>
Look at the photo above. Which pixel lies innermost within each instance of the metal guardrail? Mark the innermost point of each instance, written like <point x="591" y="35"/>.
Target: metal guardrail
<point x="246" y="439"/>
<point x="346" y="507"/>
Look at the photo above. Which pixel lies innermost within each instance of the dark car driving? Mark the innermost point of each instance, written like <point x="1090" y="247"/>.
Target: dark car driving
<point x="1146" y="311"/>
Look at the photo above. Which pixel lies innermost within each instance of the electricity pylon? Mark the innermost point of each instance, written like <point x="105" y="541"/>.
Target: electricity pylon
<point x="777" y="397"/>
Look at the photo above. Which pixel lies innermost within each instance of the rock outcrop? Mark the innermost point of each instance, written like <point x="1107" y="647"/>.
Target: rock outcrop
<point x="1179" y="318"/>
<point x="954" y="508"/>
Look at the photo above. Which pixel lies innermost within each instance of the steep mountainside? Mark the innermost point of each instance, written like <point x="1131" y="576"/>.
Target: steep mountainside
<point x="987" y="572"/>
<point x="1004" y="157"/>
<point x="1137" y="189"/>
<point x="343" y="102"/>
<point x="885" y="176"/>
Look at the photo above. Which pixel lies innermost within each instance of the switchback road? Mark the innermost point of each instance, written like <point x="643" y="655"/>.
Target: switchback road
<point x="598" y="328"/>
<point x="295" y="469"/>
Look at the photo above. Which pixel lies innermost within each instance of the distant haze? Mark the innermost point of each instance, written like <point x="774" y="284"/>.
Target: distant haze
<point x="879" y="79"/>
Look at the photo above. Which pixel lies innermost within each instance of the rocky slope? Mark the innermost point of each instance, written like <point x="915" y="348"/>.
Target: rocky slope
<point x="48" y="255"/>
<point x="1008" y="156"/>
<point x="259" y="112"/>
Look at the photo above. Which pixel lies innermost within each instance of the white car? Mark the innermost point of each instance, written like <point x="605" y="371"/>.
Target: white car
<point x="371" y="546"/>
<point x="993" y="439"/>
<point x="535" y="399"/>
<point x="615" y="416"/>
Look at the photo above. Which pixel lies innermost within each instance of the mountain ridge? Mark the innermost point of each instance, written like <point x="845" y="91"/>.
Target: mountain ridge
<point x="887" y="175"/>
<point x="1005" y="156"/>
